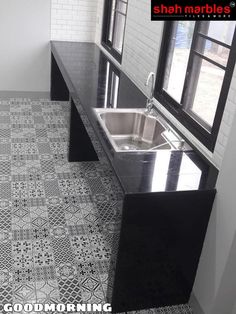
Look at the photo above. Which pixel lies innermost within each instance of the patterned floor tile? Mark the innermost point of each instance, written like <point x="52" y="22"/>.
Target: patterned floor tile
<point x="36" y="188"/>
<point x="21" y="234"/>
<point x="36" y="202"/>
<point x="74" y="230"/>
<point x="109" y="211"/>
<point x="104" y="278"/>
<point x="45" y="273"/>
<point x="86" y="268"/>
<point x="58" y="220"/>
<point x="6" y="256"/>
<point x="96" y="185"/>
<point x="179" y="309"/>
<point x="82" y="248"/>
<point x="67" y="187"/>
<point x="102" y="266"/>
<point x="82" y="187"/>
<point x="40" y="233"/>
<point x="6" y="216"/>
<point x="62" y="250"/>
<point x="21" y="223"/>
<point x="23" y="275"/>
<point x="95" y="297"/>
<point x="47" y="291"/>
<point x="5" y="168"/>
<point x="6" y="294"/>
<point x="5" y="149"/>
<point x="6" y="277"/>
<point x="70" y="291"/>
<point x="100" y="247"/>
<point x="51" y="188"/>
<point x="22" y="254"/>
<point x="5" y="190"/>
<point x="90" y="283"/>
<point x="47" y="166"/>
<point x="56" y="215"/>
<point x="39" y="222"/>
<point x="74" y="215"/>
<point x="5" y="236"/>
<point x="24" y="292"/>
<point x="59" y="232"/>
<point x="66" y="271"/>
<point x="42" y="253"/>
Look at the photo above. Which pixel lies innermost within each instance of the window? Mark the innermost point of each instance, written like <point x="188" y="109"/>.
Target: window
<point x="114" y="26"/>
<point x="112" y="86"/>
<point x="194" y="74"/>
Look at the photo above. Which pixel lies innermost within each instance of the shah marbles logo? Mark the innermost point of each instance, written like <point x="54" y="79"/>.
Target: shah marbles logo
<point x="193" y="10"/>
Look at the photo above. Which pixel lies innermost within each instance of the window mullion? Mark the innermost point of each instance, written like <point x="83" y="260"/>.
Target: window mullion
<point x="218" y="42"/>
<point x="189" y="69"/>
<point x="202" y="56"/>
<point x="193" y="69"/>
<point x="114" y="22"/>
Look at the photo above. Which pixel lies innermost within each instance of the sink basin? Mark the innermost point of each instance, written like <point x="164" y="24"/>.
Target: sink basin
<point x="134" y="130"/>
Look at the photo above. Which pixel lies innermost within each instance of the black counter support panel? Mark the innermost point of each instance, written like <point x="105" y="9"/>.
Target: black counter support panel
<point x="59" y="90"/>
<point x="161" y="239"/>
<point x="80" y="145"/>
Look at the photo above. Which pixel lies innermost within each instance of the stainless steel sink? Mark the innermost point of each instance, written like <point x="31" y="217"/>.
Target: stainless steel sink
<point x="134" y="130"/>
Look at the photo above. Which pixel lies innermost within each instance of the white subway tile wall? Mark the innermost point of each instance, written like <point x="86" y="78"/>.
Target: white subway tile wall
<point x="73" y="20"/>
<point x="99" y="21"/>
<point x="81" y="20"/>
<point x="142" y="42"/>
<point x="227" y="120"/>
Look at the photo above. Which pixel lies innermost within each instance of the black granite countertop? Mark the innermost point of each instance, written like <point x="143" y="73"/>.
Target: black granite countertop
<point x="86" y="71"/>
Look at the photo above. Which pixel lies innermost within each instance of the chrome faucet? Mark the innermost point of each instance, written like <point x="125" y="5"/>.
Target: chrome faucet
<point x="150" y="99"/>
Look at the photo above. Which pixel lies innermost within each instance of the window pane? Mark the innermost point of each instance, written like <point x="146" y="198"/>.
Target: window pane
<point x="213" y="51"/>
<point x="119" y="32"/>
<point x="208" y="91"/>
<point x="178" y="55"/>
<point x="222" y="31"/>
<point x="121" y="6"/>
<point x="110" y="35"/>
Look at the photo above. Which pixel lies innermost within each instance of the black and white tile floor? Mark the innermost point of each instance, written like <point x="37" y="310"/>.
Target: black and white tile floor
<point x="57" y="219"/>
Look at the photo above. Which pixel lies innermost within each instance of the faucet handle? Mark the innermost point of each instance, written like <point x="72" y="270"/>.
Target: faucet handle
<point x="149" y="106"/>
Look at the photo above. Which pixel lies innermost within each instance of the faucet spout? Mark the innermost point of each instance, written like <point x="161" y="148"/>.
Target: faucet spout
<point x="150" y="75"/>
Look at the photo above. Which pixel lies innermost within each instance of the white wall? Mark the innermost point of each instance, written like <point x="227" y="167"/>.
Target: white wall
<point x="140" y="56"/>
<point x="234" y="309"/>
<point x="99" y="21"/>
<point x="24" y="45"/>
<point x="74" y="20"/>
<point x="215" y="284"/>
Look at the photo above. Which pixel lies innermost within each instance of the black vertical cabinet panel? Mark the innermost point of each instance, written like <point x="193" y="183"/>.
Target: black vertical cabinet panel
<point x="161" y="239"/>
<point x="59" y="90"/>
<point x="80" y="145"/>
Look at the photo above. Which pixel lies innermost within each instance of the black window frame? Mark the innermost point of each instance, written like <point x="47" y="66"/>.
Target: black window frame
<point x="194" y="124"/>
<point x="106" y="43"/>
